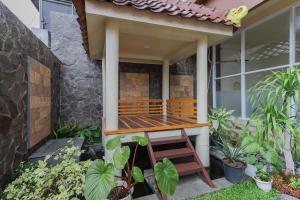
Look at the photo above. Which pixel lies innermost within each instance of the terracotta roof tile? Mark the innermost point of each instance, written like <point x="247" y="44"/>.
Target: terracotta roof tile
<point x="179" y="8"/>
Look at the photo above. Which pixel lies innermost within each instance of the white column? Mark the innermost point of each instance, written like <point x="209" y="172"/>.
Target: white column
<point x="112" y="75"/>
<point x="202" y="140"/>
<point x="165" y="85"/>
<point x="103" y="96"/>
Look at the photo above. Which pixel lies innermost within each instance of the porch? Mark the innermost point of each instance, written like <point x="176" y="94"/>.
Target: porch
<point x="147" y="115"/>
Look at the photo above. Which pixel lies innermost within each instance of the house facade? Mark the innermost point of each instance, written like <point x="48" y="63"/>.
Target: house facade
<point x="158" y="58"/>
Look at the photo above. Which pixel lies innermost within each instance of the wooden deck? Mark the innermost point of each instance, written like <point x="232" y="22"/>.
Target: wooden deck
<point x="142" y="123"/>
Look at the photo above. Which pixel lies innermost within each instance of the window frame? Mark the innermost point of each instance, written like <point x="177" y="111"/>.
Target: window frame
<point x="292" y="56"/>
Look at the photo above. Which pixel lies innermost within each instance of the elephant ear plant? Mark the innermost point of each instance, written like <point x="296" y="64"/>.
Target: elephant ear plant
<point x="102" y="182"/>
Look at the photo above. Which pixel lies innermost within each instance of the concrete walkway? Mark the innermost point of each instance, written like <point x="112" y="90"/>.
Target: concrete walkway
<point x="190" y="186"/>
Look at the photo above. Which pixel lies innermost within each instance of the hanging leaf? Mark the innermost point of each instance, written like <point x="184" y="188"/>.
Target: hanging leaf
<point x="121" y="156"/>
<point x="140" y="140"/>
<point x="99" y="180"/>
<point x="114" y="143"/>
<point x="166" y="176"/>
<point x="137" y="174"/>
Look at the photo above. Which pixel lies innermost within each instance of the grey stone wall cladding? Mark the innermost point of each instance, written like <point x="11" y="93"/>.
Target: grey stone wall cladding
<point x="81" y="78"/>
<point x="16" y="44"/>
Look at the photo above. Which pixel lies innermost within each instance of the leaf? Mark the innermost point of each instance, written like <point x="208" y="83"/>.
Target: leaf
<point x="99" y="180"/>
<point x="271" y="156"/>
<point x="166" y="176"/>
<point x="121" y="156"/>
<point x="140" y="140"/>
<point x="250" y="159"/>
<point x="137" y="174"/>
<point x="252" y="148"/>
<point x="114" y="143"/>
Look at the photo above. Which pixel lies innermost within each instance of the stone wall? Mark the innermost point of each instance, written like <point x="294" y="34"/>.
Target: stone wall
<point x="185" y="67"/>
<point x="17" y="43"/>
<point x="81" y="78"/>
<point x="155" y="76"/>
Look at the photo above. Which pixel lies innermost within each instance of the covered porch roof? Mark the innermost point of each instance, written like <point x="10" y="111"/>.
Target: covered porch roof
<point x="151" y="31"/>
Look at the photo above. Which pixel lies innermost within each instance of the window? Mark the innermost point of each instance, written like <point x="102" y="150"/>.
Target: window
<point x="267" y="45"/>
<point x="48" y="6"/>
<point x="229" y="57"/>
<point x="267" y="48"/>
<point x="229" y="94"/>
<point x="297" y="29"/>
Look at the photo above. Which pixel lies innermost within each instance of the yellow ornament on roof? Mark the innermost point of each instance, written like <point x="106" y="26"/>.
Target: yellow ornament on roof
<point x="237" y="14"/>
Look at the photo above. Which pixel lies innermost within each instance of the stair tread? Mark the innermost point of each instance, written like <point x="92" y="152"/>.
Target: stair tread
<point x="173" y="153"/>
<point x="167" y="140"/>
<point x="187" y="167"/>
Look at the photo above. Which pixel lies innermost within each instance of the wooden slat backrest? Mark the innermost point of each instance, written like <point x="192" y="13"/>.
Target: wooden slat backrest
<point x="140" y="107"/>
<point x="185" y="108"/>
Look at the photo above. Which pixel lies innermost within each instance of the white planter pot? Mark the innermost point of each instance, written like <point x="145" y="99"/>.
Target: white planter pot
<point x="264" y="186"/>
<point x="250" y="170"/>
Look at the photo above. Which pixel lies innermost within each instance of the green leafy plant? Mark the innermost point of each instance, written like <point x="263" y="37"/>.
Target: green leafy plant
<point x="263" y="176"/>
<point x="65" y="129"/>
<point x="232" y="153"/>
<point x="275" y="111"/>
<point x="294" y="183"/>
<point x="63" y="181"/>
<point x="91" y="134"/>
<point x="101" y="181"/>
<point x="219" y="119"/>
<point x="260" y="155"/>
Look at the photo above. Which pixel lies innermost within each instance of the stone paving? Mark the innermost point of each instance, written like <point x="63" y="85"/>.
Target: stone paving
<point x="189" y="186"/>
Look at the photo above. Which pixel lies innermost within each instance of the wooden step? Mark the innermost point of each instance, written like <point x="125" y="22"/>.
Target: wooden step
<point x="167" y="140"/>
<point x="173" y="153"/>
<point x="187" y="168"/>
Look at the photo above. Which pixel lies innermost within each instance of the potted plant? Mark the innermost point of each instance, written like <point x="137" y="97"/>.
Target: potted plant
<point x="263" y="178"/>
<point x="103" y="182"/>
<point x="234" y="168"/>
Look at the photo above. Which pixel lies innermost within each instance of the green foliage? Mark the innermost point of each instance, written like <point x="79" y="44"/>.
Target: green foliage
<point x="65" y="129"/>
<point x="166" y="176"/>
<point x="137" y="174"/>
<point x="274" y="113"/>
<point x="60" y="182"/>
<point x="142" y="141"/>
<point x="244" y="191"/>
<point x="98" y="186"/>
<point x="91" y="134"/>
<point x="99" y="176"/>
<point x="220" y="119"/>
<point x="121" y="156"/>
<point x="258" y="155"/>
<point x="232" y="153"/>
<point x="294" y="183"/>
<point x="263" y="176"/>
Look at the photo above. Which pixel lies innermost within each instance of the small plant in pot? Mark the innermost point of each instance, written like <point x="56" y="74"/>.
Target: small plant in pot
<point x="103" y="181"/>
<point x="234" y="168"/>
<point x="263" y="178"/>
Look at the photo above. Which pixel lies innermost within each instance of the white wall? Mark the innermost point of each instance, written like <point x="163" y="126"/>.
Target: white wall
<point x="25" y="11"/>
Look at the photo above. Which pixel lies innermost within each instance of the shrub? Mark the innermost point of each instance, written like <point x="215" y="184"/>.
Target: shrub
<point x="62" y="181"/>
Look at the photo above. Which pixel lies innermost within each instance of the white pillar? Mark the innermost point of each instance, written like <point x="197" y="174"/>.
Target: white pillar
<point x="202" y="140"/>
<point x="165" y="85"/>
<point x="103" y="96"/>
<point x="112" y="75"/>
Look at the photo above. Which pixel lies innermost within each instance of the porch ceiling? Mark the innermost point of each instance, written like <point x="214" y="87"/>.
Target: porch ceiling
<point x="148" y="38"/>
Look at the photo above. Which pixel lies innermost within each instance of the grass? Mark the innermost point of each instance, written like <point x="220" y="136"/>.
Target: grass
<point x="246" y="190"/>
